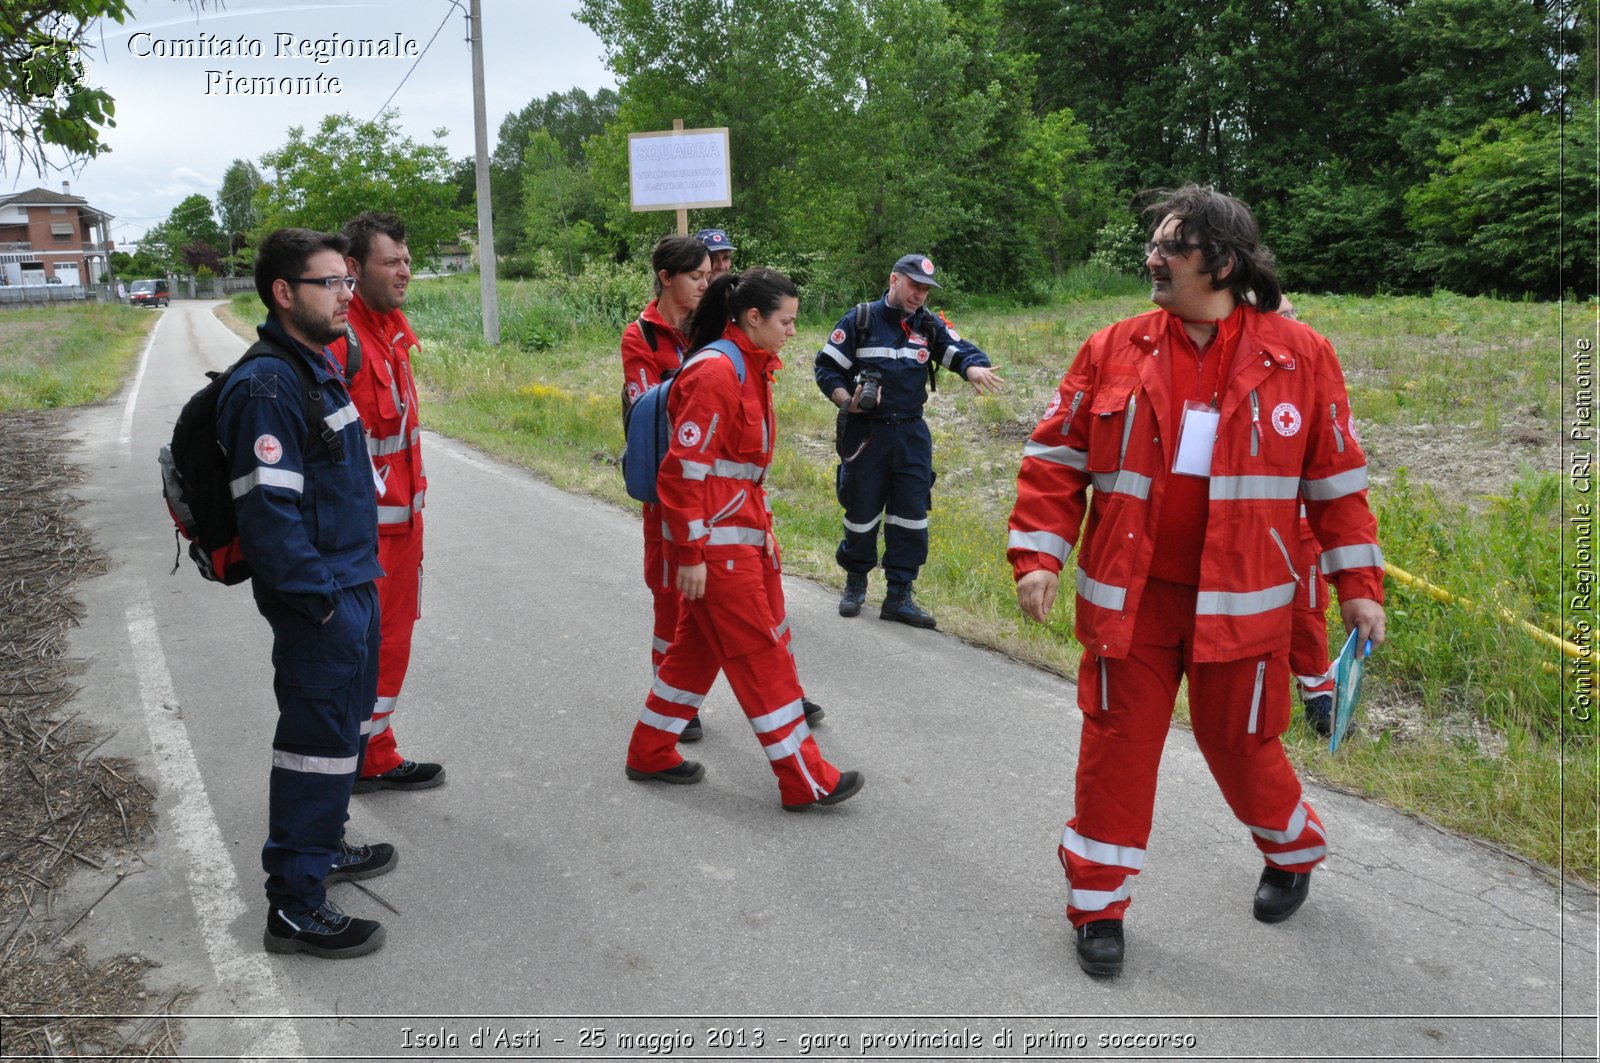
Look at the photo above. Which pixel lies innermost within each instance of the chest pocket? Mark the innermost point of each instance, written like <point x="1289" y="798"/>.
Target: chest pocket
<point x="755" y="432"/>
<point x="1110" y="419"/>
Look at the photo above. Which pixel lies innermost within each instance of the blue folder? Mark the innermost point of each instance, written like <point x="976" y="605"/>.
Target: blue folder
<point x="1347" y="687"/>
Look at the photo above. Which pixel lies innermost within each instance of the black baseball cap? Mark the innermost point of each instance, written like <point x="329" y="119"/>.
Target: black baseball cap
<point x="919" y="268"/>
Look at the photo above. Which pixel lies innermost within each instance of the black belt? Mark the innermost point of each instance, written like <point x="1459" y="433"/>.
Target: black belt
<point x="896" y="418"/>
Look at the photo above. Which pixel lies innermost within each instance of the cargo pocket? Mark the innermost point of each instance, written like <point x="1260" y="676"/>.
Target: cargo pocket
<point x="1108" y="420"/>
<point x="318" y="708"/>
<point x="1093" y="690"/>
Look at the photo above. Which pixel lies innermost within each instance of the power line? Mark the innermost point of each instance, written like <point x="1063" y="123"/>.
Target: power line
<point x="397" y="88"/>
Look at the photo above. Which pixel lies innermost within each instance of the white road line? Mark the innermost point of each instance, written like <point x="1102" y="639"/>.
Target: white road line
<point x="213" y="886"/>
<point x="133" y="393"/>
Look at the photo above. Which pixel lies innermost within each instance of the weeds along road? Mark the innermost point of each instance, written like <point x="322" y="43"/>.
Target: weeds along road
<point x="539" y="887"/>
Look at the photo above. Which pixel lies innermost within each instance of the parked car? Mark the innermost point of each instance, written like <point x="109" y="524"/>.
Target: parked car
<point x="149" y="293"/>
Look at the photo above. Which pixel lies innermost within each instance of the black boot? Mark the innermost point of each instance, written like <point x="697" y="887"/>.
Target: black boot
<point x="1319" y="714"/>
<point x="1280" y="894"/>
<point x="902" y="608"/>
<point x="1100" y="947"/>
<point x="855" y="593"/>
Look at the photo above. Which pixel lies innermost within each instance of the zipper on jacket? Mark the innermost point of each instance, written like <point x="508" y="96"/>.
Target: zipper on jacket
<point x="1311" y="585"/>
<point x="1072" y="412"/>
<point x="1338" y="436"/>
<point x="1284" y="550"/>
<point x="1255" y="424"/>
<point x="1105" y="697"/>
<point x="1255" y="697"/>
<point x="1127" y="430"/>
<point x="727" y="510"/>
<point x="710" y="432"/>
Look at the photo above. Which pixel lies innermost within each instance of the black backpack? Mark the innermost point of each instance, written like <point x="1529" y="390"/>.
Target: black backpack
<point x="194" y="470"/>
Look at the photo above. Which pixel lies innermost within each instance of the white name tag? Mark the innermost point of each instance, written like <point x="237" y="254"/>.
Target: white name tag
<point x="1196" y="436"/>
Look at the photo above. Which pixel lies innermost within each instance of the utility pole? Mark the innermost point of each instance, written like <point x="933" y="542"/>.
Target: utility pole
<point x="480" y="122"/>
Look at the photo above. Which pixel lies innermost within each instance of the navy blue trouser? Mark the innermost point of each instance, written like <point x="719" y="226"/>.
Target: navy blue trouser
<point x="325" y="677"/>
<point x="890" y="481"/>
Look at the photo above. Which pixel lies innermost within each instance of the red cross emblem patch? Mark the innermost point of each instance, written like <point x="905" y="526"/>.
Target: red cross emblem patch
<point x="269" y="450"/>
<point x="1286" y="419"/>
<point x="689" y="434"/>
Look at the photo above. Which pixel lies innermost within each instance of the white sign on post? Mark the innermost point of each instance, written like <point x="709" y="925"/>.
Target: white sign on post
<point x="679" y="169"/>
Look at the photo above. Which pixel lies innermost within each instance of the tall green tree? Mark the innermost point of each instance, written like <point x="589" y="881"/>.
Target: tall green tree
<point x="192" y="222"/>
<point x="568" y="119"/>
<point x="347" y="166"/>
<point x="556" y="198"/>
<point x="236" y="204"/>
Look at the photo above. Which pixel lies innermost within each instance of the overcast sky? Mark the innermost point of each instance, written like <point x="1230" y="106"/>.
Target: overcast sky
<point x="178" y="128"/>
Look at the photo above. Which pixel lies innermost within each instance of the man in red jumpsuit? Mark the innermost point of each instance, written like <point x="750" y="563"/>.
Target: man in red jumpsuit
<point x="386" y="397"/>
<point x="1201" y="425"/>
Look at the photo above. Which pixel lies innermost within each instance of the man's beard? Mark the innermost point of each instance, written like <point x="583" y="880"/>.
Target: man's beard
<point x="319" y="330"/>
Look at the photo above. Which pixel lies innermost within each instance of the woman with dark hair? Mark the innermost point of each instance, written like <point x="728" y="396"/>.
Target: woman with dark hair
<point x="723" y="553"/>
<point x="653" y="346"/>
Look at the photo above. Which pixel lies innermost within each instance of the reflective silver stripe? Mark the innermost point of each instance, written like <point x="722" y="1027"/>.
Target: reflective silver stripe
<point x="313" y="765"/>
<point x="366" y="728"/>
<point x="833" y="352"/>
<point x="1105" y="595"/>
<point x="1243" y="603"/>
<point x="385" y="704"/>
<point x="1040" y="542"/>
<point x="1097" y="900"/>
<point x="1340" y="558"/>
<point x="863" y="528"/>
<point x="697" y="529"/>
<point x="670" y="724"/>
<point x="264" y="477"/>
<point x="890" y="354"/>
<point x="778" y="717"/>
<point x="1298" y="856"/>
<point x="695" y="470"/>
<point x="732" y="535"/>
<point x="1330" y="487"/>
<point x="791" y="745"/>
<point x="1239" y="488"/>
<point x="379" y="725"/>
<point x="737" y="470"/>
<point x="382" y="448"/>
<point x="1072" y="459"/>
<point x="1297" y="827"/>
<point x="1284" y="550"/>
<point x="394" y="514"/>
<point x="1255" y="697"/>
<point x="778" y="631"/>
<point x="902" y="522"/>
<point x="1122" y="482"/>
<point x="676" y="696"/>
<point x="344" y="415"/>
<point x="1102" y="852"/>
<point x="660" y="645"/>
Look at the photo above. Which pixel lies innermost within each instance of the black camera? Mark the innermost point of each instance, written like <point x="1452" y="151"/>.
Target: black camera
<point x="870" y="380"/>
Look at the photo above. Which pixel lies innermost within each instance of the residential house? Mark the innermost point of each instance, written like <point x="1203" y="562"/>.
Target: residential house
<point x="52" y="238"/>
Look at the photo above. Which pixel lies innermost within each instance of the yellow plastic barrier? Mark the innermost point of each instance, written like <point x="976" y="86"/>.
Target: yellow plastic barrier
<point x="1539" y="634"/>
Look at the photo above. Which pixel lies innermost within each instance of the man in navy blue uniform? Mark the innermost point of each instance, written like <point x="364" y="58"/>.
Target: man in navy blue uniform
<point x="303" y="494"/>
<point x="886" y="467"/>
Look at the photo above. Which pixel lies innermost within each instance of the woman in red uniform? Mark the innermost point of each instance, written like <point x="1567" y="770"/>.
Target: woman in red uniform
<point x="653" y="347"/>
<point x="722" y="552"/>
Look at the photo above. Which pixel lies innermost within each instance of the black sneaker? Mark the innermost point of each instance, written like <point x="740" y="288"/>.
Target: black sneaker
<point x="326" y="932"/>
<point x="814" y="713"/>
<point x="410" y="775"/>
<point x="362" y="861"/>
<point x="849" y="784"/>
<point x="1100" y="947"/>
<point x="902" y="608"/>
<point x="693" y="731"/>
<point x="684" y="772"/>
<point x="1319" y="713"/>
<point x="1280" y="893"/>
<point x="855" y="594"/>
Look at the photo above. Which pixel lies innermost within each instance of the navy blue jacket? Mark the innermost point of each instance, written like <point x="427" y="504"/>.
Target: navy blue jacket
<point x="308" y="525"/>
<point x="897" y="346"/>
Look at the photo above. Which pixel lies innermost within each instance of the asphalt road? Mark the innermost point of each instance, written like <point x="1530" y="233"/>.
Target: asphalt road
<point x="541" y="897"/>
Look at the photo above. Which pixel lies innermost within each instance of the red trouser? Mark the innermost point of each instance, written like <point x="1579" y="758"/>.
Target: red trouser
<point x="1238" y="710"/>
<point x="658" y="577"/>
<point x="740" y="628"/>
<point x="400" y="602"/>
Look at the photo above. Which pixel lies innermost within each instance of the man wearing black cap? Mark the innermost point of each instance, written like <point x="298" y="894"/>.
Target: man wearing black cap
<point x="876" y="367"/>
<point x="716" y="241"/>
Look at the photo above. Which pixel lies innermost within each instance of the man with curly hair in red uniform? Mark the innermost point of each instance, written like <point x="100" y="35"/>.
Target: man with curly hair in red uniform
<point x="1201" y="425"/>
<point x="385" y="394"/>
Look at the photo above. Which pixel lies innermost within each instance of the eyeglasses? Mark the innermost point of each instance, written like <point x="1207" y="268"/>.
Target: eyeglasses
<point x="1168" y="248"/>
<point x="330" y="283"/>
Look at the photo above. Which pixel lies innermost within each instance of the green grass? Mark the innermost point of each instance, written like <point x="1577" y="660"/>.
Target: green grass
<point x="67" y="354"/>
<point x="1464" y="722"/>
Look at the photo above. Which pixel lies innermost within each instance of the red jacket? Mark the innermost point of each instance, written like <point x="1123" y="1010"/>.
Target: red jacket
<point x="385" y="395"/>
<point x="643" y="364"/>
<point x="722" y="435"/>
<point x="1285" y="434"/>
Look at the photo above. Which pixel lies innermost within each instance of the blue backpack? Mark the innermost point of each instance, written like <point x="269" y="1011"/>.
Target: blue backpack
<point x="647" y="427"/>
